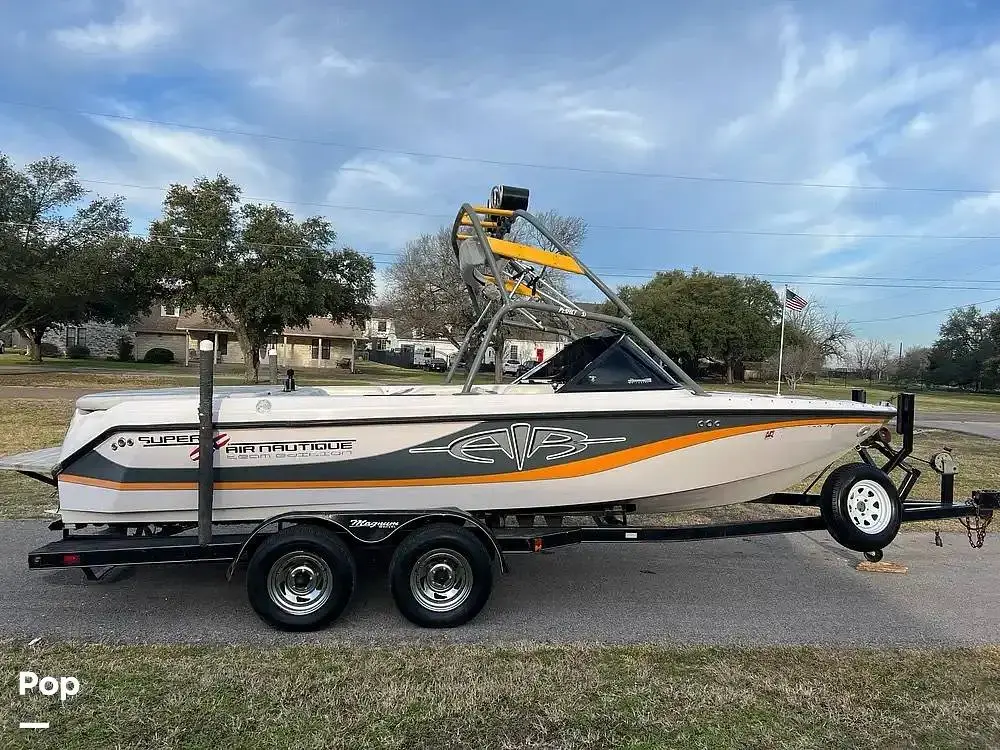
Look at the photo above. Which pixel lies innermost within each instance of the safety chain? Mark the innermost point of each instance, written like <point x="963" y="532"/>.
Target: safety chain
<point x="980" y="522"/>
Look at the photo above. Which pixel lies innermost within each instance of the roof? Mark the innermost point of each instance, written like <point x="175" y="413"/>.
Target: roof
<point x="196" y="320"/>
<point x="318" y="326"/>
<point x="155" y="323"/>
<point x="327" y="327"/>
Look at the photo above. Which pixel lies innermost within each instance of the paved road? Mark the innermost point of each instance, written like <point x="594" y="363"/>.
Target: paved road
<point x="983" y="423"/>
<point x="791" y="589"/>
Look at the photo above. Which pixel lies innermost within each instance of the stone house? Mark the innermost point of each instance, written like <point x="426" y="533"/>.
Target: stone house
<point x="100" y="338"/>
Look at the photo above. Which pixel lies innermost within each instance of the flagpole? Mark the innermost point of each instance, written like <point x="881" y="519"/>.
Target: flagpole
<point x="781" y="346"/>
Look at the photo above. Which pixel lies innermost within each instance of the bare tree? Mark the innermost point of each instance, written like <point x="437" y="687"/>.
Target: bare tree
<point x="424" y="289"/>
<point x="882" y="360"/>
<point x="811" y="336"/>
<point x="870" y="358"/>
<point x="425" y="292"/>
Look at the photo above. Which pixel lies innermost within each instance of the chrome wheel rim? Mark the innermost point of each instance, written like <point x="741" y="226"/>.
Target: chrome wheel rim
<point x="300" y="583"/>
<point x="441" y="580"/>
<point x="869" y="506"/>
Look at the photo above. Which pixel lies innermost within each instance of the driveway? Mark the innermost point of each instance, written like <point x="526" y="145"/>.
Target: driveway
<point x="789" y="589"/>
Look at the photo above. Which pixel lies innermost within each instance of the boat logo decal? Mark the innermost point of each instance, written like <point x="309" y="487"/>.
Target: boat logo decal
<point x="769" y="434"/>
<point x="325" y="447"/>
<point x="220" y="440"/>
<point x="364" y="523"/>
<point x="518" y="443"/>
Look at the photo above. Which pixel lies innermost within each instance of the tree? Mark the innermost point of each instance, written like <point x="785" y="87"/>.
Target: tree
<point x="913" y="365"/>
<point x="748" y="331"/>
<point x="254" y="267"/>
<point x="702" y="315"/>
<point x="869" y="358"/>
<point x="966" y="343"/>
<point x="811" y="336"/>
<point x="424" y="290"/>
<point x="65" y="263"/>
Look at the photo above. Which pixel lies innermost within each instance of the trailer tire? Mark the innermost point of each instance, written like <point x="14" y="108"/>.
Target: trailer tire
<point x="301" y="578"/>
<point x="441" y="576"/>
<point x="860" y="507"/>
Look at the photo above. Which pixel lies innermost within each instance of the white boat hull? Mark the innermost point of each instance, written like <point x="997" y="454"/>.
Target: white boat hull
<point x="673" y="452"/>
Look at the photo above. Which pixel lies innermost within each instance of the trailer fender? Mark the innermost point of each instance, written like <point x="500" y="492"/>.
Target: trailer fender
<point x="376" y="528"/>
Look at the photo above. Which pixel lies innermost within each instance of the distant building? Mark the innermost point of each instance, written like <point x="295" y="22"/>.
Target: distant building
<point x="323" y="344"/>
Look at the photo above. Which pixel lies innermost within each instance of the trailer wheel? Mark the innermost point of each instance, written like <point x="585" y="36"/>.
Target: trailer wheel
<point x="861" y="508"/>
<point x="441" y="576"/>
<point x="301" y="578"/>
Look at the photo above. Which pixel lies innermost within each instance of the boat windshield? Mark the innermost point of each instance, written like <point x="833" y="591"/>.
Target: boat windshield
<point x="605" y="361"/>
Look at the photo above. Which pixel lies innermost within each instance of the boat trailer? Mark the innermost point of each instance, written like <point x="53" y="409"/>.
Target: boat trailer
<point x="301" y="568"/>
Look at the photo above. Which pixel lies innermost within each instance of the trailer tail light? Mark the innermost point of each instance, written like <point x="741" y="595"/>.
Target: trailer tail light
<point x="70" y="559"/>
<point x="536" y="544"/>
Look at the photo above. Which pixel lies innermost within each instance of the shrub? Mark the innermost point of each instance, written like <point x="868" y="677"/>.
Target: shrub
<point x="77" y="351"/>
<point x="50" y="350"/>
<point x="159" y="356"/>
<point x="126" y="349"/>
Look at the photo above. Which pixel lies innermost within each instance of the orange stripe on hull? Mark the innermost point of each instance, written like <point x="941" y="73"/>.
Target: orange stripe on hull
<point x="583" y="467"/>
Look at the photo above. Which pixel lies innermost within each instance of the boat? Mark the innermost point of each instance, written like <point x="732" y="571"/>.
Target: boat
<point x="610" y="421"/>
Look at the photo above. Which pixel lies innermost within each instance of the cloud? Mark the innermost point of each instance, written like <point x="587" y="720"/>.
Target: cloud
<point x="835" y="94"/>
<point x="199" y="153"/>
<point x="135" y="30"/>
<point x="422" y="191"/>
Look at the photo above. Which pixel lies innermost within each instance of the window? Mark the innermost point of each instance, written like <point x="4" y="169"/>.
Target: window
<point x="169" y="312"/>
<point x="622" y="367"/>
<point x="76" y="336"/>
<point x="223" y="344"/>
<point x="604" y="361"/>
<point x="513" y="352"/>
<point x="382" y="326"/>
<point x="380" y="345"/>
<point x="321" y="349"/>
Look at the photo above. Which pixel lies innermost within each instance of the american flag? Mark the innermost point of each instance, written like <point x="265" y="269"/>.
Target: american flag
<point x="794" y="301"/>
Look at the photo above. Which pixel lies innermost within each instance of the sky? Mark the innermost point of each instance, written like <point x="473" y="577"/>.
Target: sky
<point x="849" y="149"/>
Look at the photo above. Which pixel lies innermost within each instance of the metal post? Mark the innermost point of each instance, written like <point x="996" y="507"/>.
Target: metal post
<point x="206" y="441"/>
<point x="905" y="412"/>
<point x="272" y="358"/>
<point x="947" y="489"/>
<point x="781" y="344"/>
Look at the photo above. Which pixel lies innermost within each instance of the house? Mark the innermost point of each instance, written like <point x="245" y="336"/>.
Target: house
<point x="158" y="330"/>
<point x="383" y="336"/>
<point x="100" y="339"/>
<point x="322" y="344"/>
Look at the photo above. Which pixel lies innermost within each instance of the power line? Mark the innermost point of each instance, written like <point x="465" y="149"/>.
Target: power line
<point x="613" y="272"/>
<point x="926" y="312"/>
<point x="497" y="162"/>
<point x="603" y="227"/>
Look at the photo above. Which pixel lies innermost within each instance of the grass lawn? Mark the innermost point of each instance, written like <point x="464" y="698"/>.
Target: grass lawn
<point x="507" y="697"/>
<point x="172" y="376"/>
<point x="26" y="424"/>
<point x="955" y="401"/>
